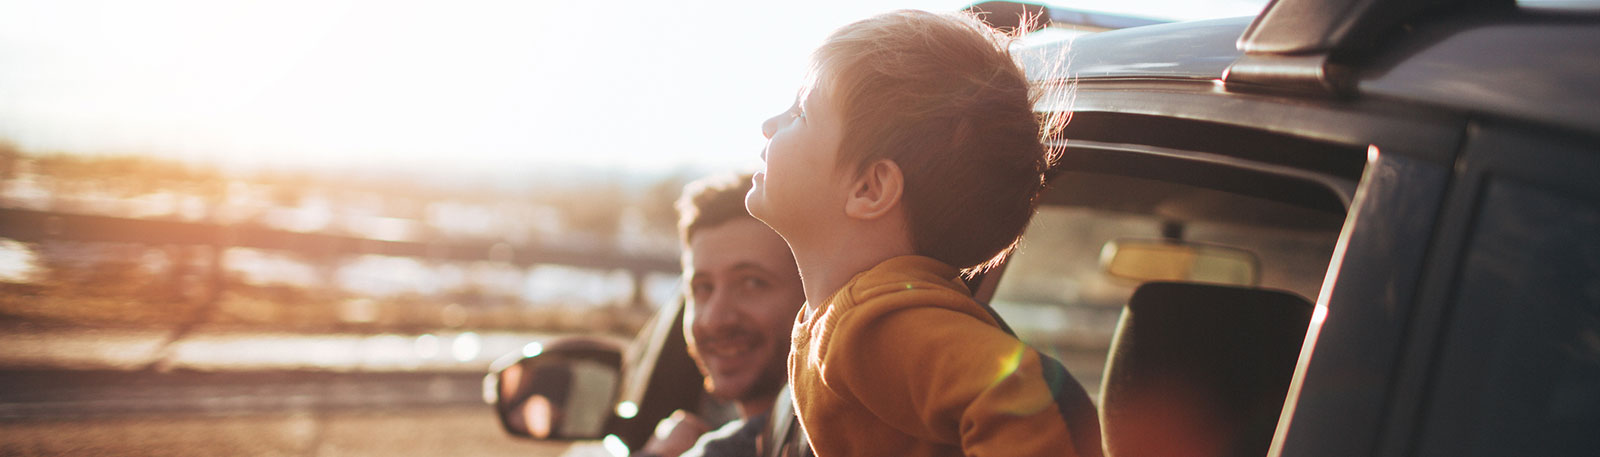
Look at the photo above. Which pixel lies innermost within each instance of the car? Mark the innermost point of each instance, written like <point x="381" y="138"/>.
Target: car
<point x="1337" y="228"/>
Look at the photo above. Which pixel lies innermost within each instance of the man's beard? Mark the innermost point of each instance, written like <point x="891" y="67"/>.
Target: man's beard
<point x="772" y="379"/>
<point x="774" y="374"/>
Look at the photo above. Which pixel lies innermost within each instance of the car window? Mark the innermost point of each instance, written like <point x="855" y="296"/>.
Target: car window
<point x="1524" y="338"/>
<point x="1516" y="369"/>
<point x="1057" y="298"/>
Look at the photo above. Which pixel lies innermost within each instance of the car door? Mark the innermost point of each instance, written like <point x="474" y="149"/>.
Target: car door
<point x="1503" y="352"/>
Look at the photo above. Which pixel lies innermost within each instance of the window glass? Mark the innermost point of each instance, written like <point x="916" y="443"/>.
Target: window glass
<point x="1520" y="366"/>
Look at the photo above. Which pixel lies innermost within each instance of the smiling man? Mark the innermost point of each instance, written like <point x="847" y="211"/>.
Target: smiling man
<point x="744" y="291"/>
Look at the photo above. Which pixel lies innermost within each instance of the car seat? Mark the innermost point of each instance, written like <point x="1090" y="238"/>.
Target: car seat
<point x="1200" y="370"/>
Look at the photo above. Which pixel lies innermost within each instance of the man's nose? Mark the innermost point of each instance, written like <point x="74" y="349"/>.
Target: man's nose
<point x="719" y="310"/>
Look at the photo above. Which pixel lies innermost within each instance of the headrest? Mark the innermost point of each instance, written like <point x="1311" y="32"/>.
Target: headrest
<point x="1200" y="369"/>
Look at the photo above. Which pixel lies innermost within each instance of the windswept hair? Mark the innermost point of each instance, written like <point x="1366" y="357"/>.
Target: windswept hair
<point x="711" y="201"/>
<point x="942" y="97"/>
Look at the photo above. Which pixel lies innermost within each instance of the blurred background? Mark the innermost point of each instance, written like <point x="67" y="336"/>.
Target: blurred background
<point x="297" y="227"/>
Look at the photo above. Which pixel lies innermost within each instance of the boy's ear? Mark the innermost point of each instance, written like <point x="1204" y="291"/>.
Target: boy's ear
<point x="876" y="191"/>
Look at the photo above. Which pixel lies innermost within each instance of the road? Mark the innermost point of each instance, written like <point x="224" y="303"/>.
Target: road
<point x="438" y="431"/>
<point x="66" y="392"/>
<point x="83" y="394"/>
<point x="107" y="412"/>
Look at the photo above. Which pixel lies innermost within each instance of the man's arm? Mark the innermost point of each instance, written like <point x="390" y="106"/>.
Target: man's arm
<point x="735" y="439"/>
<point x="674" y="435"/>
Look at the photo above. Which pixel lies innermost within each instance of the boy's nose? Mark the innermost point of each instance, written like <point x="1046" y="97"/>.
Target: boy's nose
<point x="770" y="126"/>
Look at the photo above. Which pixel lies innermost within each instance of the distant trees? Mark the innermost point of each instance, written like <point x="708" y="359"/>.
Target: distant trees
<point x="574" y="210"/>
<point x="591" y="207"/>
<point x="125" y="176"/>
<point x="9" y="156"/>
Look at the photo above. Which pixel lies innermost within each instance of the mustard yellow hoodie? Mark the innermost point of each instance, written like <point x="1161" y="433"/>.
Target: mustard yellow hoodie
<point x="901" y="361"/>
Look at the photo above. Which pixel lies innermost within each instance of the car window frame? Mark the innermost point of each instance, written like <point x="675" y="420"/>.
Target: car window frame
<point x="1398" y="139"/>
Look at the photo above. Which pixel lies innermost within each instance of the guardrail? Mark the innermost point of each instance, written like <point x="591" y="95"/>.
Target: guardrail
<point x="33" y="225"/>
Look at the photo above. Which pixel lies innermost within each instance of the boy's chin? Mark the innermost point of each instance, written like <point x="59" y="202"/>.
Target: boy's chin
<point x="755" y="204"/>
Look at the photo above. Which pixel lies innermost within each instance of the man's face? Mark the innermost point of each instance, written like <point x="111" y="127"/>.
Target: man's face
<point x="744" y="291"/>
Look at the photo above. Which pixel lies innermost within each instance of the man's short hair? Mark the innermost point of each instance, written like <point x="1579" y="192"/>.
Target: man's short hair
<point x="711" y="201"/>
<point x="941" y="96"/>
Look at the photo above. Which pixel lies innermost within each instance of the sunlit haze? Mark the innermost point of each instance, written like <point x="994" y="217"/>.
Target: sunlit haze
<point x="476" y="86"/>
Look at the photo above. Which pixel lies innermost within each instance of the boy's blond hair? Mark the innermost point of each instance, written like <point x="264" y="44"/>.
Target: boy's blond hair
<point x="941" y="96"/>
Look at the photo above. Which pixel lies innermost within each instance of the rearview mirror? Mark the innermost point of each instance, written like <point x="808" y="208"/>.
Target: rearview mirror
<point x="1167" y="260"/>
<point x="562" y="389"/>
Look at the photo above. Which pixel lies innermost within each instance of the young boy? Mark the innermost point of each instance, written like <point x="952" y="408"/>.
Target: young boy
<point x="913" y="152"/>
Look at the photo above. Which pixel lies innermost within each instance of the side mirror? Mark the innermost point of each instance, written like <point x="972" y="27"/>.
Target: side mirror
<point x="1167" y="260"/>
<point x="561" y="389"/>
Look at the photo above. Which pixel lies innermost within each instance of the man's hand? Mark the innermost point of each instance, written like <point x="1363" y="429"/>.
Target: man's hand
<point x="675" y="434"/>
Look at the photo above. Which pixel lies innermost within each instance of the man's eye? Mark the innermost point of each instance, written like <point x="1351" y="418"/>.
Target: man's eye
<point x="754" y="283"/>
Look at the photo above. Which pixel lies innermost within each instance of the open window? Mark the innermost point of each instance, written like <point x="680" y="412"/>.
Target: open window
<point x="1267" y="225"/>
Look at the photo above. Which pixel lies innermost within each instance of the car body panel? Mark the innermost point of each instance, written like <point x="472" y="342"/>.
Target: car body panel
<point x="1539" y="68"/>
<point x="1458" y="344"/>
<point x="1351" y="347"/>
<point x="1352" y="125"/>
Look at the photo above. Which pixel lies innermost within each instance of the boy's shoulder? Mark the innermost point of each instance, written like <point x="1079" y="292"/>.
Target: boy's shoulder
<point x="908" y="282"/>
<point x="902" y="274"/>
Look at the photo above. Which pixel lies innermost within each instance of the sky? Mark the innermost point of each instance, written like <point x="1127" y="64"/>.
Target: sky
<point x="474" y="87"/>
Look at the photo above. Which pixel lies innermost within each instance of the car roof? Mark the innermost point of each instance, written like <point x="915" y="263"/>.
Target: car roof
<point x="1189" y="50"/>
<point x="1540" y="68"/>
<point x="1535" y="66"/>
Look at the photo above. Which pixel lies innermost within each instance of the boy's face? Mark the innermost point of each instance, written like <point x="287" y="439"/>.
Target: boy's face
<point x="799" y="187"/>
<point x="744" y="292"/>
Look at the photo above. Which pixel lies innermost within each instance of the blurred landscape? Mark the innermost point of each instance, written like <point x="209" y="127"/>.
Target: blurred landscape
<point x="150" y="306"/>
<point x="139" y="242"/>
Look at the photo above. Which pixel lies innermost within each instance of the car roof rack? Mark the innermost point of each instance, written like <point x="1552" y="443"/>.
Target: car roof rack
<point x="1289" y="45"/>
<point x="1301" y="27"/>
